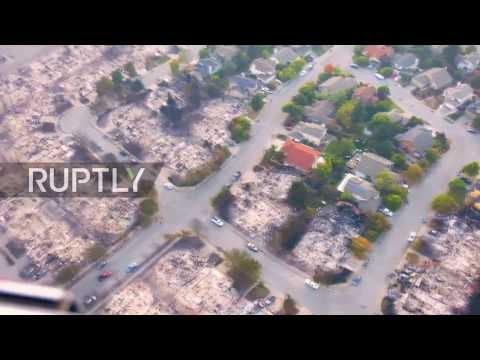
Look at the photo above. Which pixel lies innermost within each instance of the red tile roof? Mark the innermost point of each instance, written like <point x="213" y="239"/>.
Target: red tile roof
<point x="301" y="156"/>
<point x="378" y="51"/>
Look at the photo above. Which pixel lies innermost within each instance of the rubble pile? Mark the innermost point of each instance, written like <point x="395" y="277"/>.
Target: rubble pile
<point x="325" y="245"/>
<point x="444" y="284"/>
<point x="260" y="203"/>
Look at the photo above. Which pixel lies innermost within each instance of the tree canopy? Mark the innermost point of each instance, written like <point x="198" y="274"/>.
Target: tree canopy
<point x="444" y="203"/>
<point x="243" y="269"/>
<point x="471" y="169"/>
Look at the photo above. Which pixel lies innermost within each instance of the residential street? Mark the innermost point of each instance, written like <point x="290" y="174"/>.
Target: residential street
<point x="179" y="208"/>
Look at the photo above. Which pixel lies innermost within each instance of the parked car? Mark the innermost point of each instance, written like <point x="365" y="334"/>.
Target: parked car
<point x="168" y="186"/>
<point x="251" y="246"/>
<point x="104" y="275"/>
<point x="132" y="267"/>
<point x="412" y="236"/>
<point x="356" y="281"/>
<point x="386" y="212"/>
<point x="433" y="232"/>
<point x="303" y="73"/>
<point x="354" y="66"/>
<point x="217" y="221"/>
<point x="312" y="284"/>
<point x="472" y="131"/>
<point x="379" y="76"/>
<point x="89" y="300"/>
<point x="101" y="265"/>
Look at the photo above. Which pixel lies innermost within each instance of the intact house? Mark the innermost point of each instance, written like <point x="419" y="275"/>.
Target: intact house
<point x="242" y="87"/>
<point x="284" y="55"/>
<point x="300" y="156"/>
<point x="313" y="133"/>
<point x="378" y="53"/>
<point x="416" y="140"/>
<point x="366" y="94"/>
<point x="469" y="62"/>
<point x="370" y="165"/>
<point x="434" y="78"/>
<point x="337" y="83"/>
<point x="263" y="69"/>
<point x="455" y="98"/>
<point x="364" y="193"/>
<point x="405" y="62"/>
<point x="321" y="112"/>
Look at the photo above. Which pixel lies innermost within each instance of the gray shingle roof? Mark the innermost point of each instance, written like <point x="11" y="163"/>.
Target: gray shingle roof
<point x="338" y="83"/>
<point x="371" y="164"/>
<point x="405" y="61"/>
<point x="420" y="136"/>
<point x="361" y="189"/>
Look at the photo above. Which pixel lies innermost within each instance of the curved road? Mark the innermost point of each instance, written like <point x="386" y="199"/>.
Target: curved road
<point x="179" y="208"/>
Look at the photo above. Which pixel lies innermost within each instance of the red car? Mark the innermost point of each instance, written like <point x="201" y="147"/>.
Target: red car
<point x="104" y="275"/>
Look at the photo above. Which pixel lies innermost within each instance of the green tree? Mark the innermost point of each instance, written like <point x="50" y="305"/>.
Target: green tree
<point x="297" y="195"/>
<point x="290" y="306"/>
<point x="432" y="155"/>
<point x="130" y="69"/>
<point x="475" y="82"/>
<point x="175" y="66"/>
<point x="471" y="169"/>
<point x="172" y="112"/>
<point x="386" y="71"/>
<point x="67" y="273"/>
<point x="399" y="161"/>
<point x="257" y="102"/>
<point x="324" y="76"/>
<point x="204" y="53"/>
<point x="393" y="202"/>
<point x="295" y="111"/>
<point x="361" y="60"/>
<point x="240" y="129"/>
<point x="383" y="92"/>
<point x="476" y="122"/>
<point x="339" y="150"/>
<point x="414" y="173"/>
<point x="444" y="204"/>
<point x="222" y="203"/>
<point x="217" y="85"/>
<point x="458" y="190"/>
<point x="243" y="269"/>
<point x="117" y="77"/>
<point x="344" y="113"/>
<point x="358" y="50"/>
<point x="384" y="181"/>
<point x="322" y="172"/>
<point x="451" y="53"/>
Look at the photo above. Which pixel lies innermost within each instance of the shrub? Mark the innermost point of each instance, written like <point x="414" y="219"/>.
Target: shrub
<point x="240" y="129"/>
<point x="95" y="252"/>
<point x="243" y="269"/>
<point x="360" y="247"/>
<point x="444" y="204"/>
<point x="222" y="203"/>
<point x="197" y="175"/>
<point x="258" y="292"/>
<point x="67" y="273"/>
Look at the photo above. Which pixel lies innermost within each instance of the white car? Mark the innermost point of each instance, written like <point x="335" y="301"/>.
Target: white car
<point x="412" y="236"/>
<point x="168" y="186"/>
<point x="217" y="221"/>
<point x="252" y="247"/>
<point x="303" y="72"/>
<point x="312" y="284"/>
<point x="379" y="76"/>
<point x="386" y="212"/>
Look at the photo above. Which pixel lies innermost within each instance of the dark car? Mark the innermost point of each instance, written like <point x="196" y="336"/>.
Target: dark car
<point x="101" y="265"/>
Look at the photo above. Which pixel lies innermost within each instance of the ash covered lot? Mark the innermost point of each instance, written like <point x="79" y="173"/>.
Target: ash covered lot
<point x="184" y="281"/>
